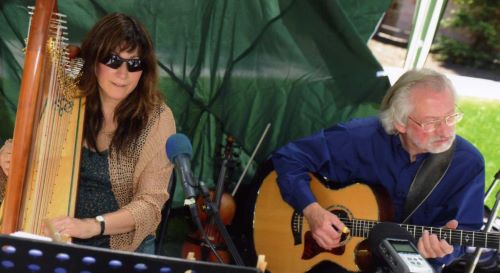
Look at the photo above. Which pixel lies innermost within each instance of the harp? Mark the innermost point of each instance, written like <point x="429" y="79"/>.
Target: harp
<point x="48" y="130"/>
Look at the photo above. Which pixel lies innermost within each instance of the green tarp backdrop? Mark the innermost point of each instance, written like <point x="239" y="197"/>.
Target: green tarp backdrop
<point x="230" y="67"/>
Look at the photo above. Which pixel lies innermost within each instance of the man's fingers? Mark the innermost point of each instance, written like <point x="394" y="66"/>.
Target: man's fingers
<point x="445" y="247"/>
<point x="324" y="239"/>
<point x="324" y="226"/>
<point x="326" y="236"/>
<point x="426" y="247"/>
<point x="452" y="224"/>
<point x="435" y="245"/>
<point x="430" y="246"/>
<point x="421" y="247"/>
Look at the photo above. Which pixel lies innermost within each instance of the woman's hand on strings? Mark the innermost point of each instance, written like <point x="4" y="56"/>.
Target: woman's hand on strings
<point x="6" y="156"/>
<point x="72" y="227"/>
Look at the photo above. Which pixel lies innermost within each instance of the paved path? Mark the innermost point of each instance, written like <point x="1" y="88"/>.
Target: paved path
<point x="465" y="86"/>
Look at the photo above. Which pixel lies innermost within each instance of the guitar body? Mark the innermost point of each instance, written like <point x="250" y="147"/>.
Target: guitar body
<point x="284" y="236"/>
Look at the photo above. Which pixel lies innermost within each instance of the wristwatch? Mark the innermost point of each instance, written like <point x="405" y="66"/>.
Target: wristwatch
<point x="100" y="220"/>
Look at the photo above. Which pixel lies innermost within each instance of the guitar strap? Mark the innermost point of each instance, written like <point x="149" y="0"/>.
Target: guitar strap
<point x="428" y="176"/>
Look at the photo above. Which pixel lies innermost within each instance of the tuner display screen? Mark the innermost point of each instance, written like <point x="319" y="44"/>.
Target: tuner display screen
<point x="403" y="247"/>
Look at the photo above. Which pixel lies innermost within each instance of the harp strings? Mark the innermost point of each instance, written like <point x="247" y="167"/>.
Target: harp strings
<point x="59" y="90"/>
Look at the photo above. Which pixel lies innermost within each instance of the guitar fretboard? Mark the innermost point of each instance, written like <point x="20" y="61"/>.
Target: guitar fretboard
<point x="361" y="228"/>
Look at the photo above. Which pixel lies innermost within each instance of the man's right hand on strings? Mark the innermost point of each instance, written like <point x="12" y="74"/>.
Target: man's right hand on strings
<point x="325" y="226"/>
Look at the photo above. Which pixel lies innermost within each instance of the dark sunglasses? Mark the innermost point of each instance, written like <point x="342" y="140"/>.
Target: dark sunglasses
<point x="115" y="61"/>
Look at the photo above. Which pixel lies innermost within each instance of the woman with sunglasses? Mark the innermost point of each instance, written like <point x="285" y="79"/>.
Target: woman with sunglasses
<point x="123" y="173"/>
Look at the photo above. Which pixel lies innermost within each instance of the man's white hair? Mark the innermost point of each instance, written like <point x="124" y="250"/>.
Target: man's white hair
<point x="396" y="105"/>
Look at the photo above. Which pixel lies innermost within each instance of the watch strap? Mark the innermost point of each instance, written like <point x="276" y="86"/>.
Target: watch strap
<point x="102" y="224"/>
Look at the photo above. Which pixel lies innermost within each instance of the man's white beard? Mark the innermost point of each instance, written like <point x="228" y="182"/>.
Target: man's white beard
<point x="441" y="148"/>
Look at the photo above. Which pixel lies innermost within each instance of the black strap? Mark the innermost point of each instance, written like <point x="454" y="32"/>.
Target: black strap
<point x="427" y="178"/>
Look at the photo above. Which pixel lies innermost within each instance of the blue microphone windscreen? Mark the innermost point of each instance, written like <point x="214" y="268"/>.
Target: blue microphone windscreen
<point x="178" y="144"/>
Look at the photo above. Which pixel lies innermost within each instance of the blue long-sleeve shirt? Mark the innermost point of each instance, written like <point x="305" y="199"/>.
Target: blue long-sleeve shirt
<point x="361" y="150"/>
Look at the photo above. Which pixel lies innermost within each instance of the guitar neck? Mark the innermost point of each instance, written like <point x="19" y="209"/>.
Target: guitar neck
<point x="361" y="228"/>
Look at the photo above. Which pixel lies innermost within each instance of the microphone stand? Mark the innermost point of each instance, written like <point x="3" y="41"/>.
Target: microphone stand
<point x="191" y="203"/>
<point x="491" y="219"/>
<point x="213" y="213"/>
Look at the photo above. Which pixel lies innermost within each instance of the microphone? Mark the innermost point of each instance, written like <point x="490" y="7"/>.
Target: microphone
<point x="395" y="246"/>
<point x="180" y="151"/>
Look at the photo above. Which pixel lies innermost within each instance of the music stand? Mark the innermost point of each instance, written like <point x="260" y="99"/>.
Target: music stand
<point x="30" y="255"/>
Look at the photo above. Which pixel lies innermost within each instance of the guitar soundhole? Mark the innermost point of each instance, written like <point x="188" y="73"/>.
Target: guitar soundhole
<point x="342" y="213"/>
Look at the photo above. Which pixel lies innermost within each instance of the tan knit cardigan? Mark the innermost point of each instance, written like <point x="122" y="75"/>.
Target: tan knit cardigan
<point x="140" y="180"/>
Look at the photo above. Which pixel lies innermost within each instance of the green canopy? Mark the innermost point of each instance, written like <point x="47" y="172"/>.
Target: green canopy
<point x="231" y="67"/>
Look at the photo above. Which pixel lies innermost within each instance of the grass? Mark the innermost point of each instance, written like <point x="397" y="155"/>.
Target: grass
<point x="479" y="126"/>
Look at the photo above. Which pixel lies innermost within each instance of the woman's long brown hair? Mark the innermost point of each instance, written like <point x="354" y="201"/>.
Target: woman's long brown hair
<point x="112" y="32"/>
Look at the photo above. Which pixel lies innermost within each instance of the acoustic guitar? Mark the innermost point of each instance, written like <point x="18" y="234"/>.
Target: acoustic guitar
<point x="283" y="234"/>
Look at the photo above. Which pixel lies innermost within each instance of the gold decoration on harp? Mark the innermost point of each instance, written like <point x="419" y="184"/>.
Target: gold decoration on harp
<point x="68" y="72"/>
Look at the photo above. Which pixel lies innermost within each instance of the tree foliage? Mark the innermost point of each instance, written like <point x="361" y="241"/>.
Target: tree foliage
<point x="480" y="21"/>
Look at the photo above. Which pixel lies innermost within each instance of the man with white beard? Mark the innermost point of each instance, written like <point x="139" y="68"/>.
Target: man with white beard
<point x="417" y="119"/>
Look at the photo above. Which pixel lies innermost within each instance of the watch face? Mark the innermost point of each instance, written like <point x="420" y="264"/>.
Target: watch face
<point x="100" y="218"/>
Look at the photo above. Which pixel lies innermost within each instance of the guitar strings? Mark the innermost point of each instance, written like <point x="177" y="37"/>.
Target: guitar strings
<point x="361" y="228"/>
